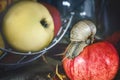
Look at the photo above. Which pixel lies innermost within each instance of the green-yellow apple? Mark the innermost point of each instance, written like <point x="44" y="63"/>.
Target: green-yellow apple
<point x="55" y="15"/>
<point x="2" y="45"/>
<point x="28" y="26"/>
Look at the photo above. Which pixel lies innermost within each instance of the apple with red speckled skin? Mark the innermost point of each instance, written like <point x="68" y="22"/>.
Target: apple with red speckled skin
<point x="98" y="61"/>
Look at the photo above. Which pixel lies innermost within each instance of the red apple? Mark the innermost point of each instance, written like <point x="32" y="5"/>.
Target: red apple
<point x="98" y="61"/>
<point x="56" y="16"/>
<point x="114" y="38"/>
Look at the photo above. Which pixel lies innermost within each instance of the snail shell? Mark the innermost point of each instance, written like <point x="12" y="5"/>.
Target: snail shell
<point x="83" y="30"/>
<point x="81" y="35"/>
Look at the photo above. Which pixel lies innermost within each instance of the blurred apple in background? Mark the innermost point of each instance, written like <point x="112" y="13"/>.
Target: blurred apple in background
<point x="28" y="26"/>
<point x="2" y="5"/>
<point x="55" y="15"/>
<point x="2" y="45"/>
<point x="114" y="38"/>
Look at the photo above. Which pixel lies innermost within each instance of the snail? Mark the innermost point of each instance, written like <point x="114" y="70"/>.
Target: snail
<point x="81" y="35"/>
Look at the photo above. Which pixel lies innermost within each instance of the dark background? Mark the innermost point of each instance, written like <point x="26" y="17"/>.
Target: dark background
<point x="114" y="14"/>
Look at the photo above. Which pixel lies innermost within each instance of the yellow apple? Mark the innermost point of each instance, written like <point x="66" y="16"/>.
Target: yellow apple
<point x="2" y="45"/>
<point x="28" y="26"/>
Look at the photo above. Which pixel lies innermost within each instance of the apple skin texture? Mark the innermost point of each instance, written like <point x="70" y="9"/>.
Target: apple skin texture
<point x="98" y="61"/>
<point x="23" y="26"/>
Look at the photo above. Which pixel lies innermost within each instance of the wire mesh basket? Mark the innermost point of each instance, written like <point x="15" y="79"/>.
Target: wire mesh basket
<point x="71" y="13"/>
<point x="11" y="57"/>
